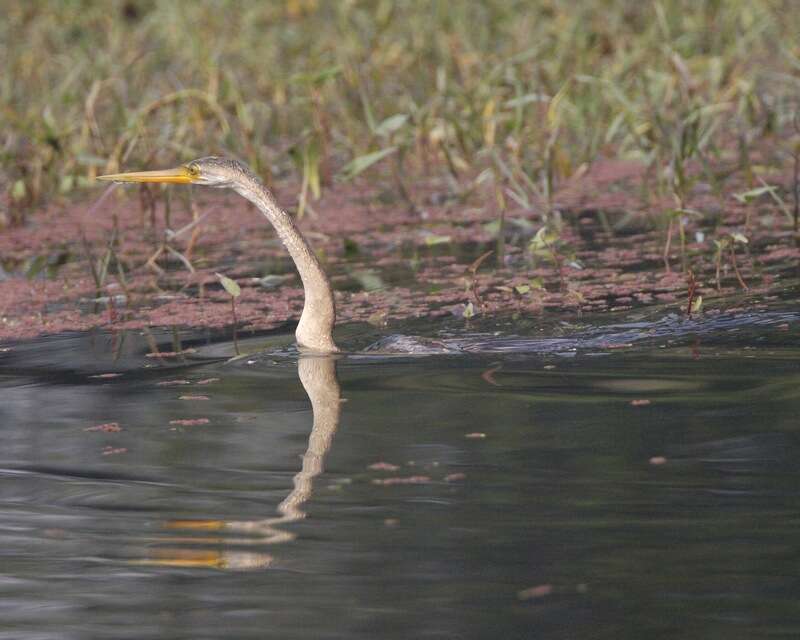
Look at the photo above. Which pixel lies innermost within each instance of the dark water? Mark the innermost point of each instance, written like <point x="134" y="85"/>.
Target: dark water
<point x="641" y="482"/>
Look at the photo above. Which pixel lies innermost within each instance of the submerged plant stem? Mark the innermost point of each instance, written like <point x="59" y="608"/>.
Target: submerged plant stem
<point x="235" y="326"/>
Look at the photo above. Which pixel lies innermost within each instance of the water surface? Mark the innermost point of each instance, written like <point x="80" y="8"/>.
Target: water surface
<point x="640" y="482"/>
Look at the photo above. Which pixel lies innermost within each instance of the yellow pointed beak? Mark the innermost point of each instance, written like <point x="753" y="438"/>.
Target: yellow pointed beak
<point x="179" y="175"/>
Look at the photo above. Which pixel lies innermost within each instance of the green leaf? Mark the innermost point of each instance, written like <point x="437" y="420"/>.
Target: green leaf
<point x="311" y="167"/>
<point x="89" y="160"/>
<point x="316" y="77"/>
<point x="432" y="240"/>
<point x="697" y="304"/>
<point x="35" y="265"/>
<point x="233" y="289"/>
<point x="368" y="279"/>
<point x="362" y="163"/>
<point x="739" y="237"/>
<point x="492" y="228"/>
<point x="752" y="194"/>
<point x="391" y="124"/>
<point x="66" y="184"/>
<point x="521" y="223"/>
<point x="521" y="101"/>
<point x="18" y="191"/>
<point x="522" y="289"/>
<point x="272" y="281"/>
<point x="554" y="110"/>
<point x="351" y="248"/>
<point x="543" y="239"/>
<point x="469" y="311"/>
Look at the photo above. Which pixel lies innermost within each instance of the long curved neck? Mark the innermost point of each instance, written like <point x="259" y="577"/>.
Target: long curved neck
<point x="314" y="332"/>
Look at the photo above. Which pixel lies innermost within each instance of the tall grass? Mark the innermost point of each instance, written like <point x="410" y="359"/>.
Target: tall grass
<point x="311" y="85"/>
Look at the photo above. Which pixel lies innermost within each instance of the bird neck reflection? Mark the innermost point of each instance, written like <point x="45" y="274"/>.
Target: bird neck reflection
<point x="318" y="377"/>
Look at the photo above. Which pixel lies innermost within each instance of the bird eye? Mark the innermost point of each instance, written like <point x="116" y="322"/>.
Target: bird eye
<point x="194" y="170"/>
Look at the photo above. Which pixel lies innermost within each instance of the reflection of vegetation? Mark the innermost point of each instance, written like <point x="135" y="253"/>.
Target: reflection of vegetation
<point x="546" y="86"/>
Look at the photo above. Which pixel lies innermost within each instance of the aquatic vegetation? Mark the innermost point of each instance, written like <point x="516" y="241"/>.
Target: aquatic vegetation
<point x="548" y="87"/>
<point x="189" y="422"/>
<point x="529" y="173"/>
<point x="727" y="246"/>
<point x="234" y="291"/>
<point x="398" y="143"/>
<point x="107" y="427"/>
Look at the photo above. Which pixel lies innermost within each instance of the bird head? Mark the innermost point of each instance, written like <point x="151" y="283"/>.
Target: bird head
<point x="211" y="171"/>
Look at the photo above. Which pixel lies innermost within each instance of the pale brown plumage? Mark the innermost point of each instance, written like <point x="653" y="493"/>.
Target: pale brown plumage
<point x="315" y="329"/>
